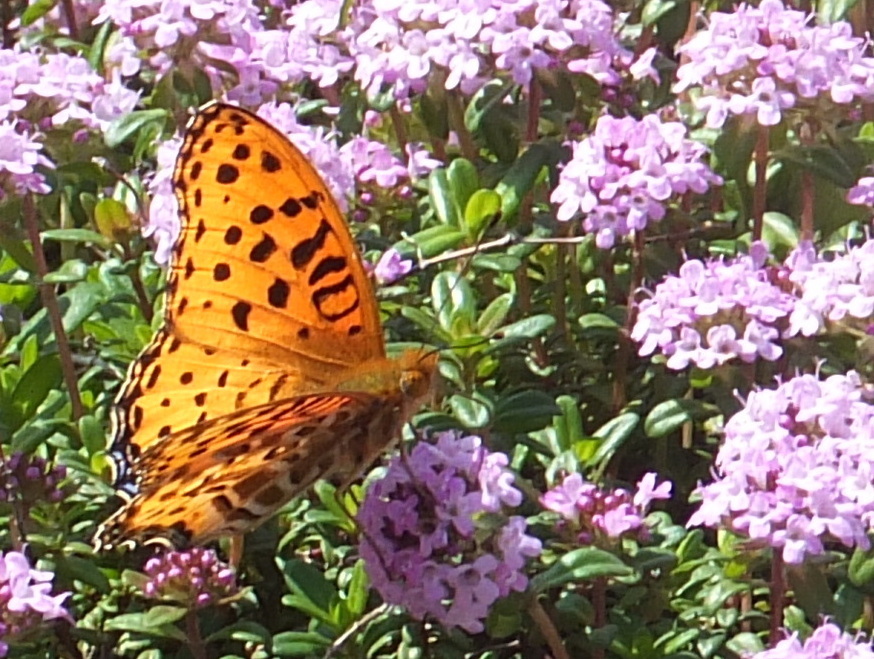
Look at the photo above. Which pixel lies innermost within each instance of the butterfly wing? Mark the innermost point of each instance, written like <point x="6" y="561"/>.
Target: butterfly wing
<point x="267" y="295"/>
<point x="227" y="475"/>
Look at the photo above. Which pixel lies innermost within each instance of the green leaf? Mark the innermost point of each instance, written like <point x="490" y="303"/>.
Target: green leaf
<point x="35" y="384"/>
<point x="129" y="125"/>
<point x="530" y="327"/>
<point x="163" y="615"/>
<point x="482" y="207"/>
<point x="17" y="249"/>
<point x="568" y="423"/>
<point x="494" y="315"/>
<point x="358" y="590"/>
<point x="597" y="321"/>
<point x="92" y="434"/>
<point x="822" y="160"/>
<point x="442" y="198"/>
<point x="521" y="177"/>
<point x="653" y="10"/>
<point x="111" y="217"/>
<point x="76" y="236"/>
<point x="524" y="411"/>
<point x="86" y="571"/>
<point x="435" y="113"/>
<point x="463" y="180"/>
<point x="501" y="135"/>
<point x="490" y="96"/>
<point x="497" y="262"/>
<point x="311" y="593"/>
<point x="243" y="631"/>
<point x="614" y="434"/>
<point x="745" y="644"/>
<point x="299" y="644"/>
<point x="861" y="568"/>
<point x="779" y="231"/>
<point x="143" y="624"/>
<point x="470" y="412"/>
<point x="437" y="240"/>
<point x="454" y="302"/>
<point x="580" y="565"/>
<point x="668" y="416"/>
<point x="36" y="9"/>
<point x="831" y="11"/>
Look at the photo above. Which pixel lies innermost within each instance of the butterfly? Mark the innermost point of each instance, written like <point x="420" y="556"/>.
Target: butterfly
<point x="270" y="370"/>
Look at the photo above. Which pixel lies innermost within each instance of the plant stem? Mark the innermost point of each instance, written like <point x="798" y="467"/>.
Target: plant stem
<point x="760" y="192"/>
<point x="137" y="282"/>
<point x="778" y="593"/>
<point x="806" y="133"/>
<point x="547" y="628"/>
<point x="456" y="121"/>
<point x="599" y="604"/>
<point x="50" y="302"/>
<point x="400" y="128"/>
<point x="195" y="640"/>
<point x="70" y="16"/>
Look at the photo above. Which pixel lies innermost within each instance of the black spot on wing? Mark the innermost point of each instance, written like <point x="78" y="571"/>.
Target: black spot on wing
<point x="278" y="293"/>
<point x="241" y="152"/>
<point x="306" y="250"/>
<point x="327" y="266"/>
<point x="233" y="235"/>
<point x="321" y="295"/>
<point x="263" y="250"/>
<point x="261" y="214"/>
<point x="240" y="313"/>
<point x="269" y="162"/>
<point x="227" y="174"/>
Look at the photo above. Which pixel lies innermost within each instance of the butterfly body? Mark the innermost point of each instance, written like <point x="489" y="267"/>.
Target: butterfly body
<point x="270" y="370"/>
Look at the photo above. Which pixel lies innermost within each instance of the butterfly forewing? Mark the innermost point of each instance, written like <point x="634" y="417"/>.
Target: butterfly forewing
<point x="265" y="284"/>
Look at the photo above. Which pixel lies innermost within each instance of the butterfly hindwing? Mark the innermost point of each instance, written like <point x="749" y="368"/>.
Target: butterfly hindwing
<point x="199" y="485"/>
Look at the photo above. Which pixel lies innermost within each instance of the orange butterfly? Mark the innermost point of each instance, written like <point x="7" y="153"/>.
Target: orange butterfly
<point x="270" y="369"/>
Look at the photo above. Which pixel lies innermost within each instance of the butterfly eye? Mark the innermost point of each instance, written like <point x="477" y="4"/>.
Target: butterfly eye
<point x="414" y="384"/>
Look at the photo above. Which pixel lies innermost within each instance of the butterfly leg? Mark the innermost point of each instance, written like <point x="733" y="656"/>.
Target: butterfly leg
<point x="235" y="551"/>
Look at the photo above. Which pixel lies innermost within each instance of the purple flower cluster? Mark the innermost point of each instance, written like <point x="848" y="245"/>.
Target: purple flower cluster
<point x="31" y="479"/>
<point x="435" y="537"/>
<point x="385" y="45"/>
<point x="20" y="156"/>
<point x="25" y="599"/>
<point x="195" y="577"/>
<point x="826" y="642"/>
<point x="715" y="311"/>
<point x="53" y="89"/>
<point x="794" y="470"/>
<point x="183" y="35"/>
<point x="839" y="289"/>
<point x="402" y="46"/>
<point x="764" y="60"/>
<point x="598" y="516"/>
<point x="622" y="176"/>
<point x="39" y="92"/>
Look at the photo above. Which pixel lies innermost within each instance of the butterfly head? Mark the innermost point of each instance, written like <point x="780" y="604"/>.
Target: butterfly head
<point x="417" y="374"/>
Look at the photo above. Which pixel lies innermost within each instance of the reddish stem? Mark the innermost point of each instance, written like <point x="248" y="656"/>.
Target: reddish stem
<point x="760" y="192"/>
<point x="778" y="595"/>
<point x="599" y="604"/>
<point x="70" y="16"/>
<point x="50" y="302"/>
